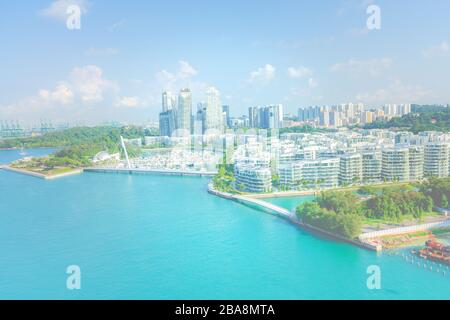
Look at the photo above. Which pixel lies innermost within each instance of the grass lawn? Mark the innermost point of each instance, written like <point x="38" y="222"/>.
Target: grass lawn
<point x="51" y="172"/>
<point x="56" y="171"/>
<point x="409" y="218"/>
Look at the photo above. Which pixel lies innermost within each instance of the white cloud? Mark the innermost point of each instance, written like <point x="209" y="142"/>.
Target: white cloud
<point x="61" y="95"/>
<point x="128" y="102"/>
<point x="397" y="92"/>
<point x="299" y="72"/>
<point x="262" y="74"/>
<point x="83" y="92"/>
<point x="58" y="8"/>
<point x="184" y="76"/>
<point x="181" y="77"/>
<point x="165" y="77"/>
<point x="89" y="83"/>
<point x="372" y="67"/>
<point x="441" y="50"/>
<point x="186" y="70"/>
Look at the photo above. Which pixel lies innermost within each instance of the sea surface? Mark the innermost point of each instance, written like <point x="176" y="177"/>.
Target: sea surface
<point x="165" y="237"/>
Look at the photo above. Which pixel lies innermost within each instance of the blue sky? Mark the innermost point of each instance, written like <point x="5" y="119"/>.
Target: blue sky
<point x="297" y="53"/>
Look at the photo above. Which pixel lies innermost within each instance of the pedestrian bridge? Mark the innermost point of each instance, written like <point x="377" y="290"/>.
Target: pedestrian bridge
<point x="266" y="205"/>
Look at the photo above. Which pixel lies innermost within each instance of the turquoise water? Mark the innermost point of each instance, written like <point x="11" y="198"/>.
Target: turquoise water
<point x="6" y="156"/>
<point x="163" y="237"/>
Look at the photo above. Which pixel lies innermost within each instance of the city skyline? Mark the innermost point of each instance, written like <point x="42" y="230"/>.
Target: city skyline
<point x="245" y="151"/>
<point x="296" y="54"/>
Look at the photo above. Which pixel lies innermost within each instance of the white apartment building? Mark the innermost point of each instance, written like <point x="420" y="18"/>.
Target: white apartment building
<point x="184" y="110"/>
<point x="416" y="162"/>
<point x="322" y="173"/>
<point x="350" y="169"/>
<point x="371" y="166"/>
<point x="213" y="110"/>
<point x="436" y="162"/>
<point x="395" y="164"/>
<point x="290" y="174"/>
<point x="250" y="178"/>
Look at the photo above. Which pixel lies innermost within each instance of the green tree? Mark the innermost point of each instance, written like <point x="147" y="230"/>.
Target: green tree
<point x="444" y="201"/>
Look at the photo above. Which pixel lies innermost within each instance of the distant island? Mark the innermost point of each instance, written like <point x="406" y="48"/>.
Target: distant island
<point x="78" y="146"/>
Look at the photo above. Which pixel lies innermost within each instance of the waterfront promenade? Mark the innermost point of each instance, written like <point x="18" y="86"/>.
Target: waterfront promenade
<point x="367" y="240"/>
<point x="108" y="170"/>
<point x="268" y="206"/>
<point x="290" y="216"/>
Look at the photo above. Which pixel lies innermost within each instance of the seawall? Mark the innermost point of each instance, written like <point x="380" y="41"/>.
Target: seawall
<point x="150" y="171"/>
<point x="40" y="175"/>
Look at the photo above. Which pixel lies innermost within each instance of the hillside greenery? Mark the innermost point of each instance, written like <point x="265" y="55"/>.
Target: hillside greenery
<point x="422" y="119"/>
<point x="78" y="145"/>
<point x="304" y="129"/>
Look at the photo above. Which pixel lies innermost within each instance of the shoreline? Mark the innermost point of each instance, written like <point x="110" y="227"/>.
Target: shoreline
<point x="371" y="240"/>
<point x="308" y="192"/>
<point x="367" y="240"/>
<point x="28" y="148"/>
<point x="357" y="242"/>
<point x="40" y="175"/>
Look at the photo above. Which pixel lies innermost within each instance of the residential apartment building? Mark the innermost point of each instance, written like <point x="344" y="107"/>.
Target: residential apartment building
<point x="416" y="162"/>
<point x="371" y="166"/>
<point x="395" y="164"/>
<point x="350" y="169"/>
<point x="436" y="161"/>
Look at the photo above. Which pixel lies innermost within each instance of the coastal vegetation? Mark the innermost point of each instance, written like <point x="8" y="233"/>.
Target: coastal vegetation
<point x="224" y="179"/>
<point x="335" y="212"/>
<point x="77" y="146"/>
<point x="344" y="212"/>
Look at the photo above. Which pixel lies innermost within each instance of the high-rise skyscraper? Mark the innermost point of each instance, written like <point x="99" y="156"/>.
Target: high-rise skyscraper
<point x="213" y="110"/>
<point x="184" y="110"/>
<point x="168" y="116"/>
<point x="269" y="117"/>
<point x="226" y="110"/>
<point x="167" y="122"/>
<point x="274" y="116"/>
<point x="168" y="101"/>
<point x="253" y="117"/>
